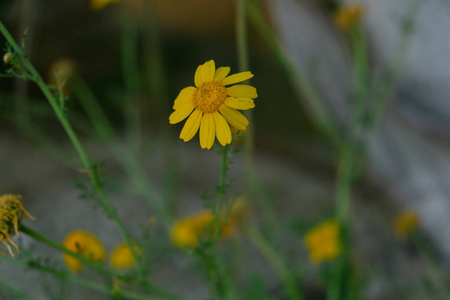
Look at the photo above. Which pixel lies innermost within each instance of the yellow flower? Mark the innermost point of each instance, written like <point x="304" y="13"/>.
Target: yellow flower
<point x="348" y="16"/>
<point x="97" y="5"/>
<point x="11" y="213"/>
<point x="188" y="231"/>
<point x="83" y="243"/>
<point x="406" y="223"/>
<point x="211" y="105"/>
<point x="323" y="242"/>
<point x="122" y="257"/>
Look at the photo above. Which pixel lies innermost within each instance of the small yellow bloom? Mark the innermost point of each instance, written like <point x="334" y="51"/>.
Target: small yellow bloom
<point x="348" y="16"/>
<point x="323" y="242"/>
<point x="406" y="223"/>
<point x="211" y="105"/>
<point x="188" y="231"/>
<point x="11" y="214"/>
<point x="83" y="243"/>
<point x="97" y="5"/>
<point x="122" y="257"/>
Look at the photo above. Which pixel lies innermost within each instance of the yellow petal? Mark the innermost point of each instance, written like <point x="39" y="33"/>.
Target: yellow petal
<point x="205" y="73"/>
<point x="209" y="69"/>
<point x="238" y="77"/>
<point x="242" y="91"/>
<point x="223" y="132"/>
<point x="240" y="103"/>
<point x="221" y="73"/>
<point x="234" y="117"/>
<point x="207" y="131"/>
<point x="184" y="98"/>
<point x="191" y="126"/>
<point x="180" y="114"/>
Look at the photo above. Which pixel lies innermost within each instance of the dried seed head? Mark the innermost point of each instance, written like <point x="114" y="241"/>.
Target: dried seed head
<point x="7" y="58"/>
<point x="11" y="214"/>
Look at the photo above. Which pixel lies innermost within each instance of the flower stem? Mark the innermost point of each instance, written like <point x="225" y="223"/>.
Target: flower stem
<point x="86" y="261"/>
<point x="243" y="61"/>
<point x="104" y="201"/>
<point x="64" y="276"/>
<point x="290" y="283"/>
<point x="222" y="284"/>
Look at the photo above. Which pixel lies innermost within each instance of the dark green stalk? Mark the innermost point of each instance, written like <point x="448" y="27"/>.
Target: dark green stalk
<point x="290" y="283"/>
<point x="131" y="76"/>
<point x="222" y="283"/>
<point x="34" y="75"/>
<point x="320" y="115"/>
<point x="96" y="266"/>
<point x="243" y="60"/>
<point x="108" y="135"/>
<point x="65" y="276"/>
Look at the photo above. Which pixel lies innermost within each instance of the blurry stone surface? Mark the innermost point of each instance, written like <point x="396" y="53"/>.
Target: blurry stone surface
<point x="410" y="155"/>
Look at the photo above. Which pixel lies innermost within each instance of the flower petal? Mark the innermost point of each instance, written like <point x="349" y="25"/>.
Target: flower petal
<point x="207" y="131"/>
<point x="223" y="132"/>
<point x="242" y="91"/>
<point x="180" y="114"/>
<point x="238" y="77"/>
<point x="240" y="103"/>
<point x="209" y="69"/>
<point x="191" y="126"/>
<point x="184" y="98"/>
<point x="204" y="73"/>
<point x="221" y="73"/>
<point x="234" y="117"/>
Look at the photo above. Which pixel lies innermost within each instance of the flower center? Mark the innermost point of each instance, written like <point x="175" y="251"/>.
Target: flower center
<point x="210" y="96"/>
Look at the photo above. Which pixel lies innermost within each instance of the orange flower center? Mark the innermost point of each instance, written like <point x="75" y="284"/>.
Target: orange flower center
<point x="210" y="96"/>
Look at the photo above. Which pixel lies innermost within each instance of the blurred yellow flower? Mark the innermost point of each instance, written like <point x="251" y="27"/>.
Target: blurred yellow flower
<point x="122" y="257"/>
<point x="323" y="242"/>
<point x="85" y="244"/>
<point x="60" y="72"/>
<point x="349" y="15"/>
<point x="97" y="5"/>
<point x="11" y="214"/>
<point x="211" y="106"/>
<point x="188" y="231"/>
<point x="406" y="223"/>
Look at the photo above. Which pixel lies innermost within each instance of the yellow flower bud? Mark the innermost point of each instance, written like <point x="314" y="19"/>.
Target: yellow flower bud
<point x="406" y="223"/>
<point x="83" y="243"/>
<point x="122" y="257"/>
<point x="323" y="242"/>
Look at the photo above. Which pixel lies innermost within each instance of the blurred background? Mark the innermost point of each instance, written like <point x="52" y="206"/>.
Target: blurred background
<point x="134" y="56"/>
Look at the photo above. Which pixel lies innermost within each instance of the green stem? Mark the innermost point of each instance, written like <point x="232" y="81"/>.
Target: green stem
<point x="290" y="282"/>
<point x="106" y="204"/>
<point x="108" y="135"/>
<point x="439" y="278"/>
<point x="64" y="276"/>
<point x="222" y="283"/>
<point x="385" y="84"/>
<point x="96" y="266"/>
<point x="131" y="76"/>
<point x="314" y="104"/>
<point x="242" y="51"/>
<point x="13" y="290"/>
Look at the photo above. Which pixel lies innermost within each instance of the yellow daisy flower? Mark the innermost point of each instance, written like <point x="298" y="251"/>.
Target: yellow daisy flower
<point x="406" y="223"/>
<point x="122" y="257"/>
<point x="323" y="242"/>
<point x="97" y="5"/>
<point x="11" y="213"/>
<point x="349" y="15"/>
<point x="211" y="105"/>
<point x="83" y="243"/>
